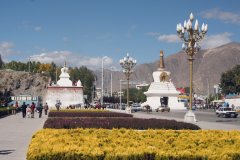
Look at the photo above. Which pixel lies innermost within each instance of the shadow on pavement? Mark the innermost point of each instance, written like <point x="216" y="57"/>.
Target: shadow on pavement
<point x="6" y="151"/>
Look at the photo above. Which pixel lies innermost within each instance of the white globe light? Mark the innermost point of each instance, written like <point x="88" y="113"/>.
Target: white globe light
<point x="185" y="24"/>
<point x="191" y="17"/>
<point x="206" y="28"/>
<point x="196" y="25"/>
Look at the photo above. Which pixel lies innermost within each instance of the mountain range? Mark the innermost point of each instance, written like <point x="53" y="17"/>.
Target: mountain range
<point x="208" y="66"/>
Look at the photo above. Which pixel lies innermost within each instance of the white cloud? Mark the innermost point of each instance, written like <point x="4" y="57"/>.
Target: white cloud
<point x="216" y="40"/>
<point x="170" y="38"/>
<point x="59" y="57"/>
<point x="6" y="49"/>
<point x="154" y="34"/>
<point x="37" y="28"/>
<point x="227" y="17"/>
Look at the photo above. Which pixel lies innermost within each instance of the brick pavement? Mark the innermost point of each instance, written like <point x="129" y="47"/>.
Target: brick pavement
<point x="15" y="135"/>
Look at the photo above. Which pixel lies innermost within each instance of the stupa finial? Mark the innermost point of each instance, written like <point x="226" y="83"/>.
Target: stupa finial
<point x="65" y="64"/>
<point x="161" y="63"/>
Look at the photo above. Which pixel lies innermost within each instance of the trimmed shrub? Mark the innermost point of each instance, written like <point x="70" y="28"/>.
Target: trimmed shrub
<point x="117" y="144"/>
<point x="4" y="111"/>
<point x="85" y="113"/>
<point x="120" y="122"/>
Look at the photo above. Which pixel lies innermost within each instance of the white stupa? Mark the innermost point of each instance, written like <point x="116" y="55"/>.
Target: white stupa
<point x="64" y="77"/>
<point x="65" y="91"/>
<point x="162" y="87"/>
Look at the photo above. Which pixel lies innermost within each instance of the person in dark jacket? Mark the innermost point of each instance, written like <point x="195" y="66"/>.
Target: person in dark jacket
<point x="40" y="108"/>
<point x="24" y="108"/>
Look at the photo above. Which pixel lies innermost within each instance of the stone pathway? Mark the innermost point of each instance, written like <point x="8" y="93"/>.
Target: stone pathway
<point x="15" y="135"/>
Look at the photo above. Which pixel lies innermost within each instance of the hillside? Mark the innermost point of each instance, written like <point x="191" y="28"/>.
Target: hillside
<point x="20" y="82"/>
<point x="208" y="66"/>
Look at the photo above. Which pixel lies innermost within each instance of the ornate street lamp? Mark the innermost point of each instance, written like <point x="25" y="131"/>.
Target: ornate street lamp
<point x="128" y="63"/>
<point x="190" y="37"/>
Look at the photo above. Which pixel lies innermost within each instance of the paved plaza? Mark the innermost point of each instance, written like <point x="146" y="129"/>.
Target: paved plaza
<point x="17" y="132"/>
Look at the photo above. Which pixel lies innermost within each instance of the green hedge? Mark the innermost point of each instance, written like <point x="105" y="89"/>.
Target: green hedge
<point x="4" y="111"/>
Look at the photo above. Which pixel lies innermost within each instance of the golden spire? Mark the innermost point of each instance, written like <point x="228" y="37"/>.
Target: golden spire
<point x="161" y="66"/>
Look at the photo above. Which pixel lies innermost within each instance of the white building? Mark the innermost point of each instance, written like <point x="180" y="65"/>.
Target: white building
<point x="140" y="86"/>
<point x="162" y="87"/>
<point x="65" y="91"/>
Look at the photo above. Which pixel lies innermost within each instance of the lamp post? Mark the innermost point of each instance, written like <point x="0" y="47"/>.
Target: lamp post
<point x="128" y="63"/>
<point x="111" y="79"/>
<point x="121" y="93"/>
<point x="102" y="80"/>
<point x="190" y="37"/>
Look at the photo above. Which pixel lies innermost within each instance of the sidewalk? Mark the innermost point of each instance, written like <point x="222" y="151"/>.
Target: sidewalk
<point x="15" y="135"/>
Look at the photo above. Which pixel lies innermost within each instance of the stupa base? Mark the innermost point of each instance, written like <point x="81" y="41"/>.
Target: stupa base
<point x="190" y="117"/>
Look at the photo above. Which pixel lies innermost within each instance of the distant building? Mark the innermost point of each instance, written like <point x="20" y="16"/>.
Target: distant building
<point x="140" y="86"/>
<point x="28" y="99"/>
<point x="98" y="93"/>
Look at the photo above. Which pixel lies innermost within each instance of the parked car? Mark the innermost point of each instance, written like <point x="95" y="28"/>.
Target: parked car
<point x="136" y="107"/>
<point x="226" y="112"/>
<point x="163" y="108"/>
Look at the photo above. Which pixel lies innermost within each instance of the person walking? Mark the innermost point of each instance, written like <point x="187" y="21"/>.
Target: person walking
<point x="24" y="108"/>
<point x="45" y="107"/>
<point x="40" y="108"/>
<point x="15" y="107"/>
<point x="32" y="109"/>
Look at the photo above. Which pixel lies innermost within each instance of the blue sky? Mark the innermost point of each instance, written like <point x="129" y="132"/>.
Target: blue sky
<point x="81" y="32"/>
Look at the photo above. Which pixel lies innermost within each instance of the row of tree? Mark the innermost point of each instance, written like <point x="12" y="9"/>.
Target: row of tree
<point x="230" y="81"/>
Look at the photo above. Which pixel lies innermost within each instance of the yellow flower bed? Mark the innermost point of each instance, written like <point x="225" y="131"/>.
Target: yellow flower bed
<point x="131" y="144"/>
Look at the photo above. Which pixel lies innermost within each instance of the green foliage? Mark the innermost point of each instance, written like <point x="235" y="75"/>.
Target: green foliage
<point x="1" y="62"/>
<point x="135" y="95"/>
<point x="230" y="81"/>
<point x="86" y="76"/>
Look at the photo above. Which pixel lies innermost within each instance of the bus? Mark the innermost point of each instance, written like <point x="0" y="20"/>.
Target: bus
<point x="28" y="99"/>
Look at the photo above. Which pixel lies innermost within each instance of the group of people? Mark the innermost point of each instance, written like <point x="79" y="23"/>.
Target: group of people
<point x="29" y="110"/>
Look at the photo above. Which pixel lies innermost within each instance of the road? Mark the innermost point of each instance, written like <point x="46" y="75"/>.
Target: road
<point x="206" y="119"/>
<point x="201" y="115"/>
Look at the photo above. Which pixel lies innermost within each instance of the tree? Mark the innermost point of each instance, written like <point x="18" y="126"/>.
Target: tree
<point x="1" y="62"/>
<point x="230" y="81"/>
<point x="135" y="95"/>
<point x="87" y="78"/>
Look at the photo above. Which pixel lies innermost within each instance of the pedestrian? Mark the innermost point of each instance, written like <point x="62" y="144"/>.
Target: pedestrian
<point x="40" y="108"/>
<point x="32" y="109"/>
<point x="14" y="111"/>
<point x="24" y="107"/>
<point x="45" y="108"/>
<point x="29" y="111"/>
<point x="57" y="105"/>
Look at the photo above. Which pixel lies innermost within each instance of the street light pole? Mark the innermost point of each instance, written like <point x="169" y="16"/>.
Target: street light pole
<point x="190" y="37"/>
<point x="102" y="80"/>
<point x="120" y="94"/>
<point x="128" y="63"/>
<point x="111" y="80"/>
